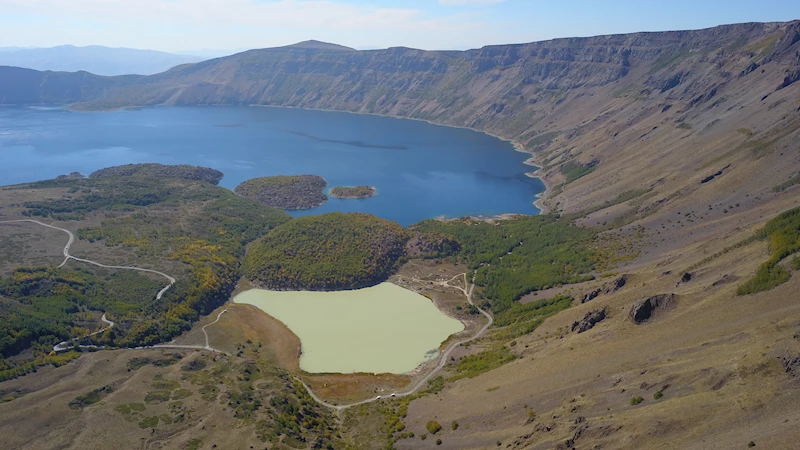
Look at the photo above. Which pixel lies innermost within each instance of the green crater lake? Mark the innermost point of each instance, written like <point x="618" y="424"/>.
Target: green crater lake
<point x="381" y="329"/>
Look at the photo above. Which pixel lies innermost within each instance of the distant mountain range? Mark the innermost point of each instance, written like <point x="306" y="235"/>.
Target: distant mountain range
<point x="95" y="59"/>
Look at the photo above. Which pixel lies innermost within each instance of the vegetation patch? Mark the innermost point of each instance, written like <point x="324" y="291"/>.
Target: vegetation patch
<point x="168" y="385"/>
<point x="573" y="170"/>
<point x="619" y="199"/>
<point x="473" y="365"/>
<point x="82" y="401"/>
<point x="433" y="427"/>
<point x="515" y="257"/>
<point x="10" y="370"/>
<point x="787" y="184"/>
<point x="783" y="234"/>
<point x="182" y="171"/>
<point x="327" y="252"/>
<point x="130" y="408"/>
<point x="85" y="196"/>
<point x="286" y="192"/>
<point x="181" y="394"/>
<point x="157" y="397"/>
<point x="435" y="385"/>
<point x="150" y="422"/>
<point x="354" y="192"/>
<point x="432" y="245"/>
<point x="521" y="319"/>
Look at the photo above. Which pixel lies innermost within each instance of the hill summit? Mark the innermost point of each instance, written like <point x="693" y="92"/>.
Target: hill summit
<point x="319" y="45"/>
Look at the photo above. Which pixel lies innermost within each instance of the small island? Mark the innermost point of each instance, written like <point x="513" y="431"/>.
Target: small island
<point x="354" y="192"/>
<point x="286" y="192"/>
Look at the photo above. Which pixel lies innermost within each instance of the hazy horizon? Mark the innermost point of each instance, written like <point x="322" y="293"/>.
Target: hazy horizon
<point x="216" y="28"/>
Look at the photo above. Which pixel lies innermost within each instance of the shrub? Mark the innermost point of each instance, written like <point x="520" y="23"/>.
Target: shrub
<point x="438" y="442"/>
<point x="473" y="365"/>
<point x="150" y="422"/>
<point x="658" y="395"/>
<point x="454" y="425"/>
<point x="433" y="427"/>
<point x="783" y="234"/>
<point x="435" y="385"/>
<point x="636" y="400"/>
<point x="157" y="396"/>
<point x="90" y="398"/>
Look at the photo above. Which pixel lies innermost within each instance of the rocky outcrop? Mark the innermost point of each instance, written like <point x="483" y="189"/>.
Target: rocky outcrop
<point x="791" y="365"/>
<point x="647" y="309"/>
<point x="615" y="286"/>
<point x="589" y="320"/>
<point x="790" y="79"/>
<point x="71" y="176"/>
<point x="618" y="284"/>
<point x="591" y="295"/>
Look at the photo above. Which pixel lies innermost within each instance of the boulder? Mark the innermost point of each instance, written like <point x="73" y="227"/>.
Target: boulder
<point x="646" y="309"/>
<point x="589" y="320"/>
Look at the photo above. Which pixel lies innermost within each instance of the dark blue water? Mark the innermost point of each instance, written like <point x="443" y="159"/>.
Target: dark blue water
<point x="421" y="170"/>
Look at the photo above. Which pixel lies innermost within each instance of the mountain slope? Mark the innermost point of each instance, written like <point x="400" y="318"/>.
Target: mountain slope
<point x="95" y="59"/>
<point x="608" y="109"/>
<point x="680" y="145"/>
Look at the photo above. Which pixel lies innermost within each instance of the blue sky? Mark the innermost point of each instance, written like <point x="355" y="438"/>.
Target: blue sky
<point x="173" y="25"/>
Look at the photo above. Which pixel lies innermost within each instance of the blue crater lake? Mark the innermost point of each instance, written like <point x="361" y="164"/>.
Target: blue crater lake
<point x="421" y="170"/>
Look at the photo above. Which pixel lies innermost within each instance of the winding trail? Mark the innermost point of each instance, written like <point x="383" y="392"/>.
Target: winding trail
<point x="208" y="346"/>
<point x="442" y="358"/>
<point x="61" y="346"/>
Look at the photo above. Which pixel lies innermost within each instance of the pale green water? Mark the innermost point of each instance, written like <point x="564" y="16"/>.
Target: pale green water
<point x="382" y="329"/>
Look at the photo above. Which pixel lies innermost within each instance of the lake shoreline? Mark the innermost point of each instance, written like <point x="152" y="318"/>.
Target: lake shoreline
<point x="517" y="146"/>
<point x="311" y="315"/>
<point x="488" y="202"/>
